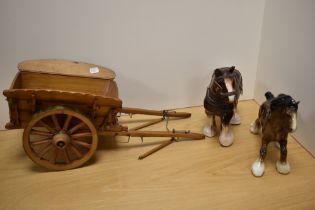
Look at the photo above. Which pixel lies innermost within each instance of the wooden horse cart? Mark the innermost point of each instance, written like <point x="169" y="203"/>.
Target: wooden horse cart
<point x="64" y="106"/>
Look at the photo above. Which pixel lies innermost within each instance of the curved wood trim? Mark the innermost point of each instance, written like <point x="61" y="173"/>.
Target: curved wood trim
<point x="65" y="96"/>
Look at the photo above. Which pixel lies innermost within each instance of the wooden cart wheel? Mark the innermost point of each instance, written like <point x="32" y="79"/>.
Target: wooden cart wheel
<point x="60" y="139"/>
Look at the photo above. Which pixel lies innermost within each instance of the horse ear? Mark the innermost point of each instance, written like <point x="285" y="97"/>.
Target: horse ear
<point x="232" y="68"/>
<point x="269" y="95"/>
<point x="218" y="72"/>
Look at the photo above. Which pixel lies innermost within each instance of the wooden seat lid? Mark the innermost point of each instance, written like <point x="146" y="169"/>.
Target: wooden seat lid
<point x="66" y="67"/>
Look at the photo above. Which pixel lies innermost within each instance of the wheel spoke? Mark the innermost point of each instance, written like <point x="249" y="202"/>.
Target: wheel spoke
<point x="50" y="129"/>
<point x="45" y="150"/>
<point x="54" y="156"/>
<point x="66" y="155"/>
<point x="77" y="127"/>
<point x="81" y="135"/>
<point x="76" y="151"/>
<point x="67" y="122"/>
<point x="55" y="121"/>
<point x="40" y="133"/>
<point x="42" y="141"/>
<point x="81" y="143"/>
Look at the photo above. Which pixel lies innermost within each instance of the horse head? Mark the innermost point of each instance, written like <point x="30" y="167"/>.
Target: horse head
<point x="226" y="83"/>
<point x="285" y="105"/>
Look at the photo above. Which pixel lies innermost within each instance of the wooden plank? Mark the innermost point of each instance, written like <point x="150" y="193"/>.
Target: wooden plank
<point x="66" y="67"/>
<point x="62" y="96"/>
<point x="25" y="104"/>
<point x="107" y="88"/>
<point x="16" y="82"/>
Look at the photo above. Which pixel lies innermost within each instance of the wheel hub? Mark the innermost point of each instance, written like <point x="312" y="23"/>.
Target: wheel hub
<point x="61" y="140"/>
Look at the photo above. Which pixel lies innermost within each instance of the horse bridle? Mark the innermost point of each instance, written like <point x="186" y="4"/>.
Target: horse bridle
<point x="225" y="94"/>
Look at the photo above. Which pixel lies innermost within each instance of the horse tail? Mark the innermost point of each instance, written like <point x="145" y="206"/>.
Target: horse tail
<point x="269" y="95"/>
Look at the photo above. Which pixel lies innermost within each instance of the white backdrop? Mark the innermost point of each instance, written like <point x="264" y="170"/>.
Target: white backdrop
<point x="286" y="61"/>
<point x="163" y="51"/>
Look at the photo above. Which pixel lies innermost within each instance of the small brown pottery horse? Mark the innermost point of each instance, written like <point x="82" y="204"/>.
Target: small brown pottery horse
<point x="276" y="118"/>
<point x="221" y="100"/>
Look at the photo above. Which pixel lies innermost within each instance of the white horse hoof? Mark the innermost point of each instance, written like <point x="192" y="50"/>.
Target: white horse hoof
<point x="253" y="128"/>
<point x="226" y="138"/>
<point x="236" y="119"/>
<point x="209" y="131"/>
<point x="283" y="168"/>
<point x="258" y="168"/>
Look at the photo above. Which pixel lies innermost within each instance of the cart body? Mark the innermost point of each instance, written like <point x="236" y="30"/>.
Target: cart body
<point x="43" y="84"/>
<point x="64" y="106"/>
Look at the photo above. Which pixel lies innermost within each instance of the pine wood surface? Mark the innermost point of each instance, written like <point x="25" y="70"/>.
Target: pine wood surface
<point x="184" y="175"/>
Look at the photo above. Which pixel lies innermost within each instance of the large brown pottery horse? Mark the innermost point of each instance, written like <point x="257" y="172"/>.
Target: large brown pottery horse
<point x="221" y="100"/>
<point x="276" y="118"/>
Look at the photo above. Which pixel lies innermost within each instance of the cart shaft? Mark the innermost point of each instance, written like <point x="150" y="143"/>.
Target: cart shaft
<point x="164" y="113"/>
<point x="174" y="134"/>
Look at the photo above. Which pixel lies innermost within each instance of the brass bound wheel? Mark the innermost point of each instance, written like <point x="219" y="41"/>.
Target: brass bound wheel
<point x="60" y="139"/>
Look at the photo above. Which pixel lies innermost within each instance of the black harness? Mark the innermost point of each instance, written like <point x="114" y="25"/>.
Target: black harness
<point x="217" y="103"/>
<point x="215" y="106"/>
<point x="226" y="93"/>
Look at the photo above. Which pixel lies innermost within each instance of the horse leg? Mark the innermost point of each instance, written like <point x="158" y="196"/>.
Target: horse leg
<point x="283" y="166"/>
<point x="236" y="119"/>
<point x="258" y="167"/>
<point x="226" y="137"/>
<point x="210" y="129"/>
<point x="255" y="126"/>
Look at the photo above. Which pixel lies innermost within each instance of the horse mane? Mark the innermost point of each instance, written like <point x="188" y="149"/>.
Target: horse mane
<point x="229" y="72"/>
<point x="281" y="101"/>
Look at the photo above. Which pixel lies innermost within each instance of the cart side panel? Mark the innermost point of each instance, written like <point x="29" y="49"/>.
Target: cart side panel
<point x="30" y="80"/>
<point x="14" y="119"/>
<point x="25" y="103"/>
<point x="16" y="81"/>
